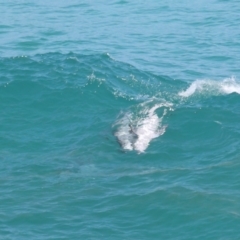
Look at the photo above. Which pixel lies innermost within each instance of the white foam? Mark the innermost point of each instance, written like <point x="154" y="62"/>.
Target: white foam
<point x="136" y="132"/>
<point x="190" y="91"/>
<point x="227" y="86"/>
<point x="230" y="86"/>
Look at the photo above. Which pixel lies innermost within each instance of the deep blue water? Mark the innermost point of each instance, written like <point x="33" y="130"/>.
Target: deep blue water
<point x="119" y="120"/>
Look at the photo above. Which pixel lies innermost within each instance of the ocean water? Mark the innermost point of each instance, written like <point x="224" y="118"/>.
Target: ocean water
<point x="119" y="119"/>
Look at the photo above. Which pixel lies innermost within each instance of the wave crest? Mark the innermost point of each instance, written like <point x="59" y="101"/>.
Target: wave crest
<point x="211" y="87"/>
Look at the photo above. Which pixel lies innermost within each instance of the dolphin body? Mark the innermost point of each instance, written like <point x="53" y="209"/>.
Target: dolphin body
<point x="131" y="137"/>
<point x="134" y="134"/>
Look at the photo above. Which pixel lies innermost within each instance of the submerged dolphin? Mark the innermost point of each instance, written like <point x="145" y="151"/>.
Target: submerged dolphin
<point x="134" y="134"/>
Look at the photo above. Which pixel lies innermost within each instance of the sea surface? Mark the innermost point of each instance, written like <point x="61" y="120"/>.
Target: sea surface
<point x="120" y="120"/>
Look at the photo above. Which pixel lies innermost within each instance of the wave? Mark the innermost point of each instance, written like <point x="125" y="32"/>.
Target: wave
<point x="133" y="102"/>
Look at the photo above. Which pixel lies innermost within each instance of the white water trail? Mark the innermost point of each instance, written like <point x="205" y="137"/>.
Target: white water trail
<point x="136" y="132"/>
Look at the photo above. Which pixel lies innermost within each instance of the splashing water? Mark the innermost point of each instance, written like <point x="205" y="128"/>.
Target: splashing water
<point x="135" y="132"/>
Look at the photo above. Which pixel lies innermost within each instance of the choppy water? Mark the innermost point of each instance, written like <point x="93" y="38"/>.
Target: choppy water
<point x="119" y="120"/>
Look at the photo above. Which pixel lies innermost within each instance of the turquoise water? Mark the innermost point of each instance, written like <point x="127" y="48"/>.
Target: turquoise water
<point x="119" y="120"/>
